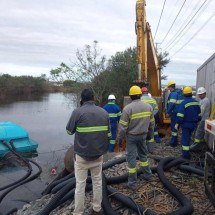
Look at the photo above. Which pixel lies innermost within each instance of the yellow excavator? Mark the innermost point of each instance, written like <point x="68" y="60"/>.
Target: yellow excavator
<point x="149" y="73"/>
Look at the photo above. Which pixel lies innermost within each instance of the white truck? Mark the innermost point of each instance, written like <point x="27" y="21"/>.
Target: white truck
<point x="206" y="78"/>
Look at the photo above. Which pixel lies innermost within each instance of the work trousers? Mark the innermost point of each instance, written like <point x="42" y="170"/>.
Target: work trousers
<point x="174" y="132"/>
<point x="136" y="145"/>
<point x="112" y="142"/>
<point x="185" y="141"/>
<point x="200" y="132"/>
<point x="81" y="172"/>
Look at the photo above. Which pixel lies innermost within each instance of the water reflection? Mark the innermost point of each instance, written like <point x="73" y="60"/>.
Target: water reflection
<point x="44" y="118"/>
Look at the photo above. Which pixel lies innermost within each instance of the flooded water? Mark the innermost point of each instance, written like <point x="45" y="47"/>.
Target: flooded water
<point x="45" y="119"/>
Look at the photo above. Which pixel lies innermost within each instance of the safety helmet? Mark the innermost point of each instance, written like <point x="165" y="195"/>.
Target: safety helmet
<point x="111" y="97"/>
<point x="187" y="90"/>
<point x="201" y="90"/>
<point x="170" y="83"/>
<point x="135" y="90"/>
<point x="144" y="90"/>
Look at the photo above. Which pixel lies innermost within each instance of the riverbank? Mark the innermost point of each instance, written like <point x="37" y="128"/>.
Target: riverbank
<point x="152" y="195"/>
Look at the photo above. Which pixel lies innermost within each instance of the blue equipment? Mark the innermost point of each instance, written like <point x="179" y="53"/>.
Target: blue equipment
<point x="16" y="138"/>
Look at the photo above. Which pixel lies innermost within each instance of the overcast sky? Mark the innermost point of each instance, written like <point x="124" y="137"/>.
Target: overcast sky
<point x="36" y="36"/>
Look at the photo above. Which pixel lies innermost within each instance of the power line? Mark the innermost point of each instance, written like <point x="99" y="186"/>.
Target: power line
<point x="194" y="34"/>
<point x="160" y="18"/>
<point x="182" y="30"/>
<point x="173" y="21"/>
<point x="182" y="24"/>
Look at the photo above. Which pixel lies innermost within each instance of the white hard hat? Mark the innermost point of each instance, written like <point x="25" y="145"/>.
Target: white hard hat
<point x="201" y="90"/>
<point x="111" y="97"/>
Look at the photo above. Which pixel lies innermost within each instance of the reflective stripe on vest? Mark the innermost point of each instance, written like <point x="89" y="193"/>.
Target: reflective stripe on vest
<point x="123" y="122"/>
<point x="113" y="115"/>
<point x="191" y="104"/>
<point x="180" y="114"/>
<point x="140" y="115"/>
<point x="91" y="129"/>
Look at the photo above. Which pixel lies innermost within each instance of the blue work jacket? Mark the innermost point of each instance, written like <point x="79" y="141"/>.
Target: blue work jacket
<point x="114" y="112"/>
<point x="189" y="113"/>
<point x="174" y="99"/>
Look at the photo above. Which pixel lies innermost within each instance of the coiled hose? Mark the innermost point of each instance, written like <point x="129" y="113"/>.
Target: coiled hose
<point x="187" y="207"/>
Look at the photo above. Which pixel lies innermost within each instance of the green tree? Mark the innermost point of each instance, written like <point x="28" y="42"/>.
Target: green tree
<point x="163" y="61"/>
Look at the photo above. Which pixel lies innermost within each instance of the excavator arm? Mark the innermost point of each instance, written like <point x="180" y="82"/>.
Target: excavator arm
<point x="148" y="66"/>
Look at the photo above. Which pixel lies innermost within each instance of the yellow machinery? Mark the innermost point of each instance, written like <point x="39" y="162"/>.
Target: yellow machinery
<point x="148" y="66"/>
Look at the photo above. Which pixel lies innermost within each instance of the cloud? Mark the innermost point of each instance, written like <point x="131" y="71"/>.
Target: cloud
<point x="39" y="35"/>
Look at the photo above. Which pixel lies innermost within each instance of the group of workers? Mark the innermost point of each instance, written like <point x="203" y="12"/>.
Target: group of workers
<point x="97" y="130"/>
<point x="189" y="114"/>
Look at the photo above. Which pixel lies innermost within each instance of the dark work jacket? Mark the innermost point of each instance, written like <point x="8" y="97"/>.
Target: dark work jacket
<point x="189" y="113"/>
<point x="90" y="124"/>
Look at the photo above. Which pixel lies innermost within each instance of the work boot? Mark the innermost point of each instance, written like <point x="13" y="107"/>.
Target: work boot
<point x="132" y="181"/>
<point x="147" y="173"/>
<point x="132" y="187"/>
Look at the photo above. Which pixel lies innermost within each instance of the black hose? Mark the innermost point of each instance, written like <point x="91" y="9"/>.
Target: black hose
<point x="187" y="207"/>
<point x="107" y="208"/>
<point x="128" y="202"/>
<point x="61" y="197"/>
<point x="105" y="166"/>
<point x="10" y="212"/>
<point x="191" y="169"/>
<point x="62" y="184"/>
<point x="55" y="199"/>
<point x="22" y="182"/>
<point x="113" y="162"/>
<point x="26" y="162"/>
<point x="54" y="183"/>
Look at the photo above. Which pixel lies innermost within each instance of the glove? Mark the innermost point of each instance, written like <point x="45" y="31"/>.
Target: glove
<point x="176" y="126"/>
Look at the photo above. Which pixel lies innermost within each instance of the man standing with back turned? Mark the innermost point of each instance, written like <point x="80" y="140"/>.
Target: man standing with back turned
<point x="90" y="124"/>
<point x="174" y="99"/>
<point x="205" y="106"/>
<point x="114" y="113"/>
<point x="136" y="122"/>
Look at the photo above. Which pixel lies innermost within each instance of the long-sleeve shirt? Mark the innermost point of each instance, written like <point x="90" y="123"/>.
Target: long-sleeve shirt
<point x="90" y="124"/>
<point x="189" y="113"/>
<point x="137" y="118"/>
<point x="114" y="112"/>
<point x="174" y="99"/>
<point x="205" y="108"/>
<point x="146" y="98"/>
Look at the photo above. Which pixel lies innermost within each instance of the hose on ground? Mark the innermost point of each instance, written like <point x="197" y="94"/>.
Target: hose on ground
<point x="187" y="207"/>
<point x="21" y="158"/>
<point x="128" y="202"/>
<point x="108" y="210"/>
<point x="24" y="181"/>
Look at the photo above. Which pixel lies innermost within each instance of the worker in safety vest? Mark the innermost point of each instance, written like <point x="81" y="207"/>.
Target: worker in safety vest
<point x="174" y="99"/>
<point x="90" y="124"/>
<point x="148" y="99"/>
<point x="205" y="106"/>
<point x="136" y="122"/>
<point x="114" y="112"/>
<point x="188" y="116"/>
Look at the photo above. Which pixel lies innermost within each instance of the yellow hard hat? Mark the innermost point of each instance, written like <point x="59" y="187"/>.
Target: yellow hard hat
<point x="170" y="83"/>
<point x="135" y="90"/>
<point x="187" y="90"/>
